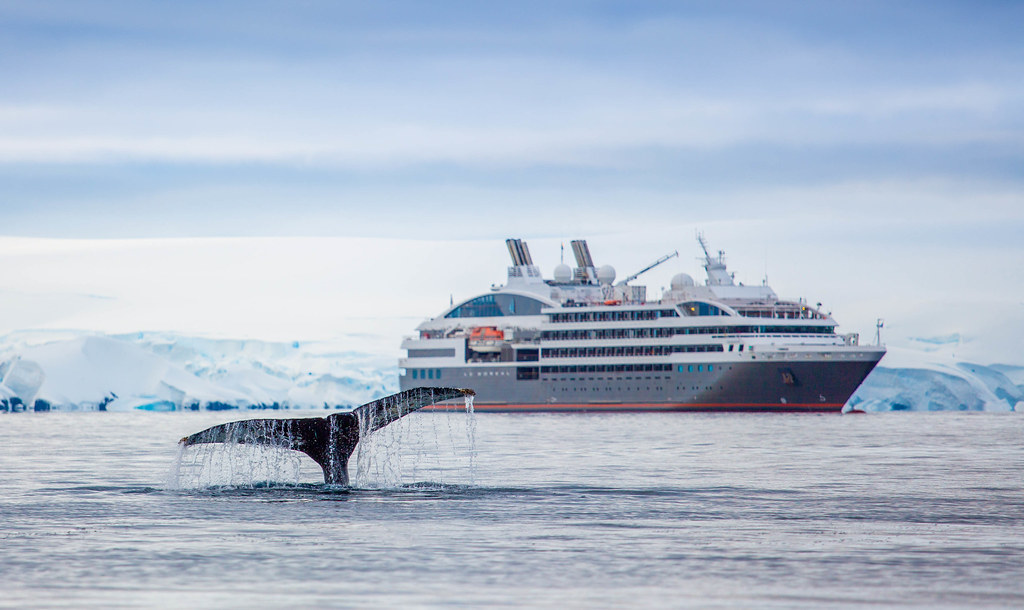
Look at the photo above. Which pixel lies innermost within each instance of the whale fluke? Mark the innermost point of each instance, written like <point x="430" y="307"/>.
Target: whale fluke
<point x="329" y="440"/>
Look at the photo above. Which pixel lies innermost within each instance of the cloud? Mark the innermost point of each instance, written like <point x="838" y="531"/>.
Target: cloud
<point x="596" y="128"/>
<point x="365" y="88"/>
<point x="298" y="288"/>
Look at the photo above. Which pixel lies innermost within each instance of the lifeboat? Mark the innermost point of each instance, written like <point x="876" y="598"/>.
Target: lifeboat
<point x="486" y="339"/>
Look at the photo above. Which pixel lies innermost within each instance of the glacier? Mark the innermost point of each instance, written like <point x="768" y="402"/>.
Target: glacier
<point x="162" y="371"/>
<point x="68" y="370"/>
<point x="934" y="380"/>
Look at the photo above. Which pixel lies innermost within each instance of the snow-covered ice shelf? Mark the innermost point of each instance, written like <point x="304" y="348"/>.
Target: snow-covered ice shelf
<point x="41" y="370"/>
<point x="163" y="371"/>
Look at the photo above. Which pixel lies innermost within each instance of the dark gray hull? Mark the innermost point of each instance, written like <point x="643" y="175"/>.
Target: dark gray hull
<point x="762" y="385"/>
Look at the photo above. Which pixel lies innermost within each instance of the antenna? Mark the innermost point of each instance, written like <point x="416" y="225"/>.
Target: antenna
<point x="878" y="331"/>
<point x="765" y="282"/>
<point x="703" y="245"/>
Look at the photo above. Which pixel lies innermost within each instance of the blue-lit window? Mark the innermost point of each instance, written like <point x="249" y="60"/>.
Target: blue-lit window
<point x="437" y="373"/>
<point x="689" y="368"/>
<point x="496" y="305"/>
<point x="480" y="307"/>
<point x="700" y="368"/>
<point x="711" y="367"/>
<point x="414" y="373"/>
<point x="700" y="308"/>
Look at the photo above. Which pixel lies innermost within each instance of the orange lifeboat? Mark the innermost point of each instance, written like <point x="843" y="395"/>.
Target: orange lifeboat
<point x="486" y="339"/>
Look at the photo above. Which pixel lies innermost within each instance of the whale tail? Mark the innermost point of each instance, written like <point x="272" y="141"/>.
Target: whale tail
<point x="330" y="440"/>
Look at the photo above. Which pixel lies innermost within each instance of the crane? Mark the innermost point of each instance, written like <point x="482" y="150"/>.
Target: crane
<point x="648" y="268"/>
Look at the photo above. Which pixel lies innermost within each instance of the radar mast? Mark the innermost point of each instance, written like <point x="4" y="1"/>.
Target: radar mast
<point x="714" y="266"/>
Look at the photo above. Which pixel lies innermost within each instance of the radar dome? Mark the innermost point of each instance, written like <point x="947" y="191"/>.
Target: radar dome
<point x="681" y="280"/>
<point x="606" y="274"/>
<point x="563" y="273"/>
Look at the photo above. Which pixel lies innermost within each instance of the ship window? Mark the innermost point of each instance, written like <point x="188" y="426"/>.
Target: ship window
<point x="711" y="367"/>
<point x="527" y="372"/>
<point x="438" y="373"/>
<point x="700" y="308"/>
<point x="495" y="305"/>
<point x="414" y="376"/>
<point x="700" y="368"/>
<point x="689" y="368"/>
<point x="430" y="373"/>
<point x="741" y="347"/>
<point x="480" y="307"/>
<point x="432" y="353"/>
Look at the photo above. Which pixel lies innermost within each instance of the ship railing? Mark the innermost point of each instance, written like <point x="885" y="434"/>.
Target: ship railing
<point x="524" y="270"/>
<point x="779" y="315"/>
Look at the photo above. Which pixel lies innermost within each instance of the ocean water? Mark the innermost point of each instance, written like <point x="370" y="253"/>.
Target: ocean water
<point x="99" y="510"/>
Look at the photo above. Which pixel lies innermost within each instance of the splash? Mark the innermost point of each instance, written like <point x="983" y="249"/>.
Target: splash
<point x="435" y="448"/>
<point x="471" y="436"/>
<point x="239" y="464"/>
<point x="261" y="451"/>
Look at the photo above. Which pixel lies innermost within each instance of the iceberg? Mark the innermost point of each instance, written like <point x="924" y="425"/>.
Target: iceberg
<point x="1012" y="372"/>
<point x="164" y="371"/>
<point x="95" y="372"/>
<point x="914" y="380"/>
<point x="22" y="379"/>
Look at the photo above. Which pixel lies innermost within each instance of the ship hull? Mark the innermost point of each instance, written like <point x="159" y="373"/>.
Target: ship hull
<point x="778" y="385"/>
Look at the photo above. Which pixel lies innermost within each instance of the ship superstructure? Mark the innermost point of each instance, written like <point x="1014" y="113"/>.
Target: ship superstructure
<point x="582" y="342"/>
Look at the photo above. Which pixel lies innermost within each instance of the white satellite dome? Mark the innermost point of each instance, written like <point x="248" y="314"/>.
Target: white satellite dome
<point x="681" y="280"/>
<point x="606" y="274"/>
<point x="563" y="273"/>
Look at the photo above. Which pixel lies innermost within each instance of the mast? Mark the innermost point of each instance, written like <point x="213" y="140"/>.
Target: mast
<point x="714" y="266"/>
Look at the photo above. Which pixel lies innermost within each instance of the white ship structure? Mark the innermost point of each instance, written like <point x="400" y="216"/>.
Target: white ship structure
<point x="584" y="342"/>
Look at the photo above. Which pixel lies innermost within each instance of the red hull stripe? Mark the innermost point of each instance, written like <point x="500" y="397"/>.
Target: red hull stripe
<point x="626" y="406"/>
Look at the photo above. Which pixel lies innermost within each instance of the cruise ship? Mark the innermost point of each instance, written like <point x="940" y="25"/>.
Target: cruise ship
<point x="583" y="342"/>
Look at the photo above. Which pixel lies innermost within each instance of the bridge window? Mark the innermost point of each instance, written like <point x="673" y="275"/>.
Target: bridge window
<point x="497" y="305"/>
<point x="700" y="308"/>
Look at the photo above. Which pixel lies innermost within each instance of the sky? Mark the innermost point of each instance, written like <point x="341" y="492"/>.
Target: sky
<point x="316" y="168"/>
